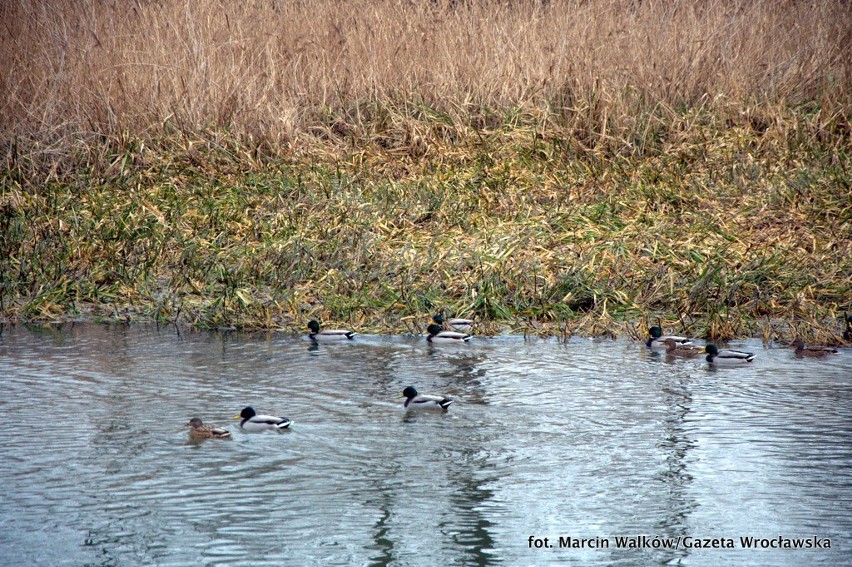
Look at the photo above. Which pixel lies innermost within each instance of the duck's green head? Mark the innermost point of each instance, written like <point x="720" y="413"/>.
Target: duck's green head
<point x="711" y="349"/>
<point x="434" y="329"/>
<point x="438" y="318"/>
<point x="313" y="325"/>
<point x="409" y="392"/>
<point x="655" y="332"/>
<point x="247" y="413"/>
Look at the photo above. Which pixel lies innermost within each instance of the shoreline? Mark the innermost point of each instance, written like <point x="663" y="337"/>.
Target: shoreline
<point x="776" y="332"/>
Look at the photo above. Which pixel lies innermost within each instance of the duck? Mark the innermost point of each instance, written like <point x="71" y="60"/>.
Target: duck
<point x="727" y="356"/>
<point x="439" y="336"/>
<point x="328" y="335"/>
<point x="416" y="401"/>
<point x="197" y="430"/>
<point x="803" y="351"/>
<point x="253" y="423"/>
<point x="455" y="324"/>
<point x="658" y="339"/>
<point x="675" y="348"/>
<point x="847" y="334"/>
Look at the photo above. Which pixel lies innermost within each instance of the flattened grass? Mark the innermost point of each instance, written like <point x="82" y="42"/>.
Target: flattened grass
<point x="721" y="233"/>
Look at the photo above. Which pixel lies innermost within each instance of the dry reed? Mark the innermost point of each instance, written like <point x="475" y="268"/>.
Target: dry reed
<point x="277" y="70"/>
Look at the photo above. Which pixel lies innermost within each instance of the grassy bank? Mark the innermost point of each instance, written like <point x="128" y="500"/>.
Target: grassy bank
<point x="727" y="237"/>
<point x="578" y="168"/>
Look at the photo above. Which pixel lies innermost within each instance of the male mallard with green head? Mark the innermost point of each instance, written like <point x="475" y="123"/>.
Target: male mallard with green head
<point x="417" y="401"/>
<point x="328" y="335"/>
<point x="727" y="356"/>
<point x="658" y="339"/>
<point x="439" y="336"/>
<point x="454" y="323"/>
<point x="254" y="423"/>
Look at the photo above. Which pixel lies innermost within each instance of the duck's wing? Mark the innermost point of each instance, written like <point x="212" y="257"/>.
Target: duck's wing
<point x="426" y="400"/>
<point x="336" y="334"/>
<point x="734" y="355"/>
<point x="453" y="335"/>
<point x="463" y="325"/>
<point x="271" y="420"/>
<point x="660" y="342"/>
<point x="220" y="432"/>
<point x="679" y="340"/>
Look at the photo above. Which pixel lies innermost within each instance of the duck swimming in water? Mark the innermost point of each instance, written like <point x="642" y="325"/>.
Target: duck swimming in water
<point x="328" y="335"/>
<point x="439" y="336"/>
<point x="803" y="351"/>
<point x="675" y="348"/>
<point x="727" y="356"/>
<point x="455" y="324"/>
<point x="658" y="339"/>
<point x="197" y="430"/>
<point x="417" y="401"/>
<point x="254" y="423"/>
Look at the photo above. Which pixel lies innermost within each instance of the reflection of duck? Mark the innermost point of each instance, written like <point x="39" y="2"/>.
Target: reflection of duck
<point x="327" y="335"/>
<point x="416" y="401"/>
<point x="658" y="340"/>
<point x="455" y="324"/>
<point x="253" y="423"/>
<point x="727" y="356"/>
<point x="813" y="351"/>
<point x="197" y="430"/>
<point x="675" y="348"/>
<point x="438" y="335"/>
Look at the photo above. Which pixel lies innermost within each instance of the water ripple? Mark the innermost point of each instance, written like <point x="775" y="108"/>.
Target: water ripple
<point x="593" y="438"/>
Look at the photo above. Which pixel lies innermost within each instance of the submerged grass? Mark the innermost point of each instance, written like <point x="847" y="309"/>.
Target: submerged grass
<point x="553" y="168"/>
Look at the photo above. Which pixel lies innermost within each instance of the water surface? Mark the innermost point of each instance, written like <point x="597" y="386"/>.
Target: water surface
<point x="585" y="438"/>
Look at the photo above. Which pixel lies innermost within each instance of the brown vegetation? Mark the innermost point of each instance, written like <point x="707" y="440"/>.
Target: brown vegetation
<point x="608" y="72"/>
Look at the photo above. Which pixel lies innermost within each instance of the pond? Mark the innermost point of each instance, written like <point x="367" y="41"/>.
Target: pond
<point x="582" y="452"/>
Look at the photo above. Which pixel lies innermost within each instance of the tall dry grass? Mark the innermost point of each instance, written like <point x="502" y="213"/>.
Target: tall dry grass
<point x="273" y="71"/>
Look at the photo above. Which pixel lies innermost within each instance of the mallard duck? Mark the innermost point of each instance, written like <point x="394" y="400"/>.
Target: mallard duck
<point x="727" y="356"/>
<point x="658" y="340"/>
<point x="327" y="335"/>
<point x="847" y="334"/>
<point x="438" y="335"/>
<point x="415" y="401"/>
<point x="675" y="348"/>
<point x="253" y="423"/>
<point x="455" y="324"/>
<point x="813" y="351"/>
<point x="197" y="430"/>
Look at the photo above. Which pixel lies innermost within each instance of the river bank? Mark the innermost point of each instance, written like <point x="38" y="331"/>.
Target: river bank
<point x="739" y="235"/>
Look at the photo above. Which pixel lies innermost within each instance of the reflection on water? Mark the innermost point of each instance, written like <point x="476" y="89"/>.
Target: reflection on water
<point x="588" y="439"/>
